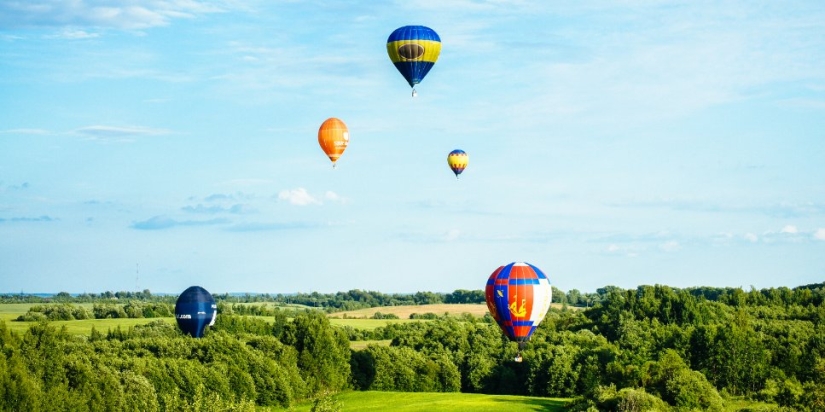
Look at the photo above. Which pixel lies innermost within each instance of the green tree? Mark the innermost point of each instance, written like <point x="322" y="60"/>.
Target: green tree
<point x="323" y="351"/>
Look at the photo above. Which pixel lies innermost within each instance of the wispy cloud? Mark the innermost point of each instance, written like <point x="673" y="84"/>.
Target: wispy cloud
<point x="117" y="14"/>
<point x="22" y="186"/>
<point x="74" y="34"/>
<point x="631" y="250"/>
<point x="270" y="226"/>
<point x="164" y="222"/>
<point x="789" y="229"/>
<point x="298" y="197"/>
<point x="117" y="134"/>
<point x="781" y="209"/>
<point x="25" y="131"/>
<point x="43" y="218"/>
<point x="301" y="197"/>
<point x="236" y="209"/>
<point x="819" y="234"/>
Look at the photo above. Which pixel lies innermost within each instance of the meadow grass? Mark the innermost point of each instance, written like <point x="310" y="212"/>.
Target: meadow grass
<point x="84" y="327"/>
<point x="367" y="324"/>
<point x="271" y="305"/>
<point x="11" y="311"/>
<point x="428" y="402"/>
<point x="362" y="344"/>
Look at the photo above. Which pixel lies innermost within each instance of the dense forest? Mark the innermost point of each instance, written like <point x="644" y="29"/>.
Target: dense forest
<point x="649" y="348"/>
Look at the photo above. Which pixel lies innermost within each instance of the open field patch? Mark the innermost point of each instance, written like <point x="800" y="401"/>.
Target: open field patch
<point x="429" y="402"/>
<point x="404" y="311"/>
<point x="362" y="344"/>
<point x="84" y="327"/>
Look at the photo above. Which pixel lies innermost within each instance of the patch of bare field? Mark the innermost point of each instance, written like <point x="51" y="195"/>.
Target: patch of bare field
<point x="404" y="312"/>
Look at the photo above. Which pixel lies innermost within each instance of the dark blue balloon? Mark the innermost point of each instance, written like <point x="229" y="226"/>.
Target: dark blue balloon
<point x="195" y="310"/>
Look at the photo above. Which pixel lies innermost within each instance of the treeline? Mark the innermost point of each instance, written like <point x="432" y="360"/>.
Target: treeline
<point x="361" y="299"/>
<point x="68" y="311"/>
<point x="156" y="368"/>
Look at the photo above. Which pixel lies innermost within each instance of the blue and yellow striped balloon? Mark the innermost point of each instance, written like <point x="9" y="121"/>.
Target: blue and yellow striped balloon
<point x="458" y="160"/>
<point x="414" y="50"/>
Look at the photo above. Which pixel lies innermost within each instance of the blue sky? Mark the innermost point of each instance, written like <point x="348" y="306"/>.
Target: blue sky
<point x="162" y="144"/>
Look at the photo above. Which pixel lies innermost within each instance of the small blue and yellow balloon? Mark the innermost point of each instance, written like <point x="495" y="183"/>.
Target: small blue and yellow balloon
<point x="414" y="50"/>
<point x="458" y="161"/>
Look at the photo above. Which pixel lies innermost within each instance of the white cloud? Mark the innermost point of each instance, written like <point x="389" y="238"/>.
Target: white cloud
<point x="626" y="250"/>
<point x="335" y="197"/>
<point x="790" y="229"/>
<point x="819" y="234"/>
<point x="299" y="197"/>
<point x="76" y="34"/>
<point x="750" y="237"/>
<point x="670" y="246"/>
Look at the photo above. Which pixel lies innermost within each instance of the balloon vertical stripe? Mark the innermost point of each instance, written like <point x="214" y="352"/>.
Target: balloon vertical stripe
<point x="518" y="296"/>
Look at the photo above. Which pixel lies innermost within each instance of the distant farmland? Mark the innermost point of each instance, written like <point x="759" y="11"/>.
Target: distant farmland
<point x="404" y="312"/>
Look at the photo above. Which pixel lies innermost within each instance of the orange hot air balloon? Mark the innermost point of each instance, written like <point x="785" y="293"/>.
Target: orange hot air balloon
<point x="333" y="137"/>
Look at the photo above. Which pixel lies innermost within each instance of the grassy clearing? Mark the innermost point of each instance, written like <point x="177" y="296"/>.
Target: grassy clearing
<point x="272" y="305"/>
<point x="84" y="327"/>
<point x="737" y="404"/>
<point x="428" y="402"/>
<point x="10" y="311"/>
<point x="367" y="324"/>
<point x="362" y="344"/>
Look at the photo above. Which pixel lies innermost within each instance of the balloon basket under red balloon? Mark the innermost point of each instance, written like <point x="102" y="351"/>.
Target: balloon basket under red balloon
<point x="518" y="357"/>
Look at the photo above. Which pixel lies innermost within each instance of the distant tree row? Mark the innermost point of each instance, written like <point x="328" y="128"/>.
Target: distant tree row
<point x="67" y="311"/>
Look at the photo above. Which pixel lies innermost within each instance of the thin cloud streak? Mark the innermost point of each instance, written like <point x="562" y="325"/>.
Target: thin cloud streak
<point x="117" y="134"/>
<point x="164" y="222"/>
<point x="123" y="14"/>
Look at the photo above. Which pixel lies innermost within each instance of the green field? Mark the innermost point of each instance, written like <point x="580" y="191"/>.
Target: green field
<point x="427" y="402"/>
<point x="368" y="324"/>
<point x="10" y="311"/>
<point x="362" y="344"/>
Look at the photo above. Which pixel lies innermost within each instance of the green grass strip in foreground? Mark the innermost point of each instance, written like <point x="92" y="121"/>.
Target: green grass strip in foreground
<point x="428" y="402"/>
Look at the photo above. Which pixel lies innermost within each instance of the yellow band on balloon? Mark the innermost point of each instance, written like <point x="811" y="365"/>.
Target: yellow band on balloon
<point x="431" y="50"/>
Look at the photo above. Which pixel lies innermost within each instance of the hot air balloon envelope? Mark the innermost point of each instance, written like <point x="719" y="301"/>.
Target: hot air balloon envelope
<point x="518" y="296"/>
<point x="333" y="136"/>
<point x="195" y="310"/>
<point x="458" y="160"/>
<point x="414" y="50"/>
